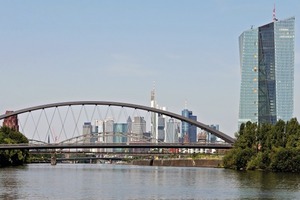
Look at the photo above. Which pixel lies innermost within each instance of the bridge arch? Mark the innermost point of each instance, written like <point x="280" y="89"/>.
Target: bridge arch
<point x="198" y="124"/>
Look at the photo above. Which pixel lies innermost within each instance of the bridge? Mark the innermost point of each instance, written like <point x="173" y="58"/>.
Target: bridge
<point x="117" y="145"/>
<point x="55" y="126"/>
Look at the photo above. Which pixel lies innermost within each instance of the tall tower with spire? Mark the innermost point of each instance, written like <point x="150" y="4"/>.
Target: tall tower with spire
<point x="154" y="117"/>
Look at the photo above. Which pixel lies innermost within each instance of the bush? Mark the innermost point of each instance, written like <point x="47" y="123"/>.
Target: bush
<point x="286" y="160"/>
<point x="238" y="158"/>
<point x="14" y="156"/>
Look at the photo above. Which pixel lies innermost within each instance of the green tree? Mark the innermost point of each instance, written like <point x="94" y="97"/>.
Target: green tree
<point x="246" y="137"/>
<point x="268" y="147"/>
<point x="293" y="134"/>
<point x="285" y="160"/>
<point x="238" y="158"/>
<point x="15" y="156"/>
<point x="263" y="133"/>
<point x="278" y="136"/>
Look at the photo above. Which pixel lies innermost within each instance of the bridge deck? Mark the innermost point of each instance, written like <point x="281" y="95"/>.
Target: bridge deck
<point x="117" y="145"/>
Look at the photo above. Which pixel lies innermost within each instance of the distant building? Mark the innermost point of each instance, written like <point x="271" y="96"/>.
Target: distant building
<point x="172" y="131"/>
<point x="147" y="136"/>
<point x="87" y="132"/>
<point x="161" y="125"/>
<point x="267" y="72"/>
<point x="120" y="132"/>
<point x="202" y="137"/>
<point x="138" y="128"/>
<point x="158" y="121"/>
<point x="108" y="130"/>
<point x="11" y="122"/>
<point x="154" y="118"/>
<point x="188" y="129"/>
<point x="129" y="129"/>
<point x="99" y="130"/>
<point x="104" y="131"/>
<point x="211" y="138"/>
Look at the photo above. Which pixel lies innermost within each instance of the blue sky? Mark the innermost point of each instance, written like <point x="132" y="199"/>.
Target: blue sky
<point x="65" y="50"/>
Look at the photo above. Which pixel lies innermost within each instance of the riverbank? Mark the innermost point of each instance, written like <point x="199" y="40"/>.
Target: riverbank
<point x="212" y="163"/>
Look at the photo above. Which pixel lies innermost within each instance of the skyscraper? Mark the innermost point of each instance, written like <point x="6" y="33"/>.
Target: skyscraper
<point x="188" y="130"/>
<point x="172" y="131"/>
<point x="158" y="121"/>
<point x="138" y="128"/>
<point x="161" y="125"/>
<point x="87" y="131"/>
<point x="267" y="72"/>
<point x="154" y="118"/>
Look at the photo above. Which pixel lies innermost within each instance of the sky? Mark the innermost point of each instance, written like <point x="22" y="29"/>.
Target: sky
<point x="69" y="50"/>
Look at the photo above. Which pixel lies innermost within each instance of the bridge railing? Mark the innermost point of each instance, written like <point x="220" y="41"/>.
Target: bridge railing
<point x="116" y="145"/>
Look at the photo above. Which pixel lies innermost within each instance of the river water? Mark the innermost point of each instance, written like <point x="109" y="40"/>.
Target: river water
<point x="108" y="181"/>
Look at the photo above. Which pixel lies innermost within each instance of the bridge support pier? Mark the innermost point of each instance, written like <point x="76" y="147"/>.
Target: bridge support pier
<point x="53" y="158"/>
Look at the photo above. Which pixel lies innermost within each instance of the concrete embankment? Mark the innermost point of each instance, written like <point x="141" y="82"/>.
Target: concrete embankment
<point x="180" y="162"/>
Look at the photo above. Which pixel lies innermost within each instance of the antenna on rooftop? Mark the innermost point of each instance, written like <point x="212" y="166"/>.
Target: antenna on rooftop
<point x="274" y="14"/>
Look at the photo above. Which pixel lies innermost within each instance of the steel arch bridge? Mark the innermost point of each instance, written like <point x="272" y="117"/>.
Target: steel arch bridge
<point x="198" y="124"/>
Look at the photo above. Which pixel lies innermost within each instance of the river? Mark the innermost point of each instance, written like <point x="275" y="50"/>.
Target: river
<point x="108" y="181"/>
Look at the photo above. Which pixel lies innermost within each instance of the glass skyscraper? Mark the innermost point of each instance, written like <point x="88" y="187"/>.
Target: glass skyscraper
<point x="187" y="129"/>
<point x="267" y="72"/>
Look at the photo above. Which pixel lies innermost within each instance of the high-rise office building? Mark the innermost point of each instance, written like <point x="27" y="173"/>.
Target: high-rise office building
<point x="120" y="132"/>
<point x="158" y="121"/>
<point x="172" y="131"/>
<point x="188" y="131"/>
<point x="109" y="130"/>
<point x="267" y="72"/>
<point x="161" y="125"/>
<point x="138" y="128"/>
<point x="87" y="131"/>
<point x="154" y="118"/>
<point x="211" y="138"/>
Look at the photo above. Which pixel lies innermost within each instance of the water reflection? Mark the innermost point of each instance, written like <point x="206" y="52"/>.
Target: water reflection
<point x="136" y="182"/>
<point x="9" y="183"/>
<point x="268" y="185"/>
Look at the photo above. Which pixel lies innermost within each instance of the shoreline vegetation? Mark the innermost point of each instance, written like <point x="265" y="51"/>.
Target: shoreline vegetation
<point x="13" y="157"/>
<point x="266" y="147"/>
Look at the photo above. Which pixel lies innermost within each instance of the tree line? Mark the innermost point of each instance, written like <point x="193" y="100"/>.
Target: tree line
<point x="266" y="147"/>
<point x="12" y="157"/>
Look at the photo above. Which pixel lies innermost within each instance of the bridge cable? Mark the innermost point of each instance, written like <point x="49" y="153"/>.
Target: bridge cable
<point x="63" y="123"/>
<point x="24" y="125"/>
<point x="76" y="121"/>
<point x="36" y="125"/>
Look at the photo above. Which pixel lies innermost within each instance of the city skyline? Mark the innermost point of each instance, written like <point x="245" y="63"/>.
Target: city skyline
<point x="61" y="51"/>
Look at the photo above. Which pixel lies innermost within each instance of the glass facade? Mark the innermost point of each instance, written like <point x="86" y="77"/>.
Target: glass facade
<point x="284" y="35"/>
<point x="188" y="129"/>
<point x="172" y="131"/>
<point x="120" y="132"/>
<point x="267" y="72"/>
<point x="248" y="110"/>
<point x="266" y="75"/>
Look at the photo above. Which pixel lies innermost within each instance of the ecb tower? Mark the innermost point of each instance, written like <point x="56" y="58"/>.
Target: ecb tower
<point x="267" y="72"/>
